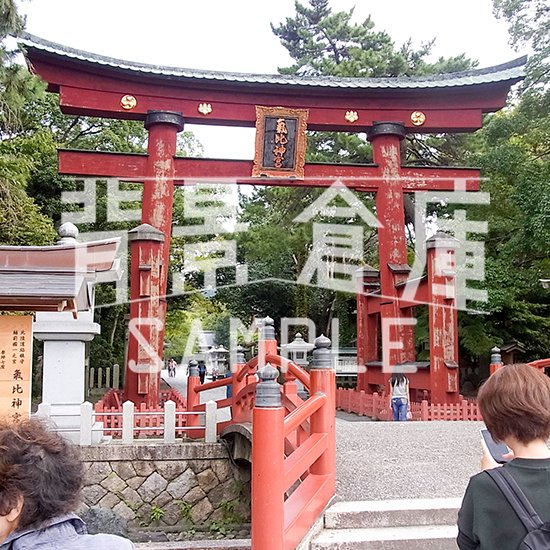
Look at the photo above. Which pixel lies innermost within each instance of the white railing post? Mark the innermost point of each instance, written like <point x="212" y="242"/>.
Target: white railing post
<point x="86" y="423"/>
<point x="127" y="422"/>
<point x="44" y="410"/>
<point x="210" y="430"/>
<point x="169" y="422"/>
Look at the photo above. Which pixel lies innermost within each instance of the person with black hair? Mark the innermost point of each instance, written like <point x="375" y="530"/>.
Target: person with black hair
<point x="40" y="481"/>
<point x="202" y="371"/>
<point x="400" y="401"/>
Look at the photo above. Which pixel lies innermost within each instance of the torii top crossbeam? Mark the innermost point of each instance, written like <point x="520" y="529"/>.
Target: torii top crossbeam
<point x="102" y="86"/>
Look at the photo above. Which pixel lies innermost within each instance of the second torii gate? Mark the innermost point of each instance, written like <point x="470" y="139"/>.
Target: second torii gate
<point x="165" y="98"/>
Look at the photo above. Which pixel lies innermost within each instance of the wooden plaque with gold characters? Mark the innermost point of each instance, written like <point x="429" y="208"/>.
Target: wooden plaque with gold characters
<point x="280" y="142"/>
<point x="15" y="366"/>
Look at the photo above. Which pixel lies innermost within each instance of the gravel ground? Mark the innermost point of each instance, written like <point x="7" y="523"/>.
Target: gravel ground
<point x="389" y="460"/>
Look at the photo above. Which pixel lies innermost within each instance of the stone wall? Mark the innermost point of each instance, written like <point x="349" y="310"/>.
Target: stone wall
<point x="165" y="485"/>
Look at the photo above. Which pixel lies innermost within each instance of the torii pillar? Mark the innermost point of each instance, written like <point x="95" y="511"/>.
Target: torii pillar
<point x="380" y="301"/>
<point x="150" y="260"/>
<point x="386" y="140"/>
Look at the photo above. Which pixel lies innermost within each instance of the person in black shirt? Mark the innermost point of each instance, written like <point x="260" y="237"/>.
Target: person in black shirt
<point x="515" y="405"/>
<point x="202" y="371"/>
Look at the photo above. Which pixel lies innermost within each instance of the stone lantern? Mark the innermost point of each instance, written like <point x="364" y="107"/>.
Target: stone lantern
<point x="297" y="352"/>
<point x="218" y="361"/>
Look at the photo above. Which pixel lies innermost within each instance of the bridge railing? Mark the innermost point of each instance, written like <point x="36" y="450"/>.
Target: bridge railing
<point x="242" y="385"/>
<point x="240" y="391"/>
<point x="293" y="456"/>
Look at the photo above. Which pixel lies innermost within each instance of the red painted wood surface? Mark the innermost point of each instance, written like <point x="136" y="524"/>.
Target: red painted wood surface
<point x="268" y="497"/>
<point x="280" y="524"/>
<point x="142" y="372"/>
<point x="360" y="177"/>
<point x="96" y="89"/>
<point x="443" y="325"/>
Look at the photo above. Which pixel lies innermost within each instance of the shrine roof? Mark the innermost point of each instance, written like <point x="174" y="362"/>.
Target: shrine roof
<point x="27" y="291"/>
<point x="512" y="71"/>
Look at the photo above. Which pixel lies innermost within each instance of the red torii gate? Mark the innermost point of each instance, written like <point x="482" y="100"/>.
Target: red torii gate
<point x="165" y="98"/>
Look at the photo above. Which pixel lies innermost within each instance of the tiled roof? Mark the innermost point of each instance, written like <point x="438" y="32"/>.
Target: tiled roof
<point x="511" y="71"/>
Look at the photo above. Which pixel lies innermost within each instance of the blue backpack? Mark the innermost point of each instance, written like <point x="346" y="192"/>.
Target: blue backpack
<point x="538" y="531"/>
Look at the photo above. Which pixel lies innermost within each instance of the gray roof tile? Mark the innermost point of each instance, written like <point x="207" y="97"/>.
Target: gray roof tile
<point x="513" y="70"/>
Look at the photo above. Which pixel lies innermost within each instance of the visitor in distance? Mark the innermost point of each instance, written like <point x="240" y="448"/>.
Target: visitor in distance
<point x="400" y="402"/>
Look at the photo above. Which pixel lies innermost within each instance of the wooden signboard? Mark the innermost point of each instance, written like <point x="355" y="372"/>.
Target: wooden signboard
<point x="15" y="366"/>
<point x="280" y="142"/>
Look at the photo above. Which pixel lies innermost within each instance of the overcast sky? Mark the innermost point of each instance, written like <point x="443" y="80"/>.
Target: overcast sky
<point x="235" y="35"/>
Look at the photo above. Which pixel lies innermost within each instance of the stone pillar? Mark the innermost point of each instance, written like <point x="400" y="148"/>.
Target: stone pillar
<point x="64" y="355"/>
<point x="63" y="359"/>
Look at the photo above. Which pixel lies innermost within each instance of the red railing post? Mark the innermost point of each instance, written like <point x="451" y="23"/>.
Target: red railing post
<point x="267" y="343"/>
<point x="193" y="398"/>
<point x="465" y="411"/>
<point x="323" y="380"/>
<point x="362" y="404"/>
<point x="424" y="415"/>
<point x="375" y="406"/>
<point x="268" y="518"/>
<point x="236" y="384"/>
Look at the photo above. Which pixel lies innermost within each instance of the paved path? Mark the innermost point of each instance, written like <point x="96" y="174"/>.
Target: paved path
<point x="386" y="460"/>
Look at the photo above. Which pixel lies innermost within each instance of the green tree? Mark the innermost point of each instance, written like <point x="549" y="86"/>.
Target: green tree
<point x="529" y="25"/>
<point x="21" y="221"/>
<point x="331" y="44"/>
<point x="323" y="43"/>
<point x="513" y="150"/>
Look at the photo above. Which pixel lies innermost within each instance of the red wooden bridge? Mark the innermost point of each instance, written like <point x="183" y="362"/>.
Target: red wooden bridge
<point x="293" y="441"/>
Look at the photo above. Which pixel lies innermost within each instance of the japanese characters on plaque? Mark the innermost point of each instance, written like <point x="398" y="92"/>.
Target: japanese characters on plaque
<point x="15" y="366"/>
<point x="280" y="142"/>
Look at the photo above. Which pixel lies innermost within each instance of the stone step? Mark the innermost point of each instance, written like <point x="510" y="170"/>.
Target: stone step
<point x="392" y="513"/>
<point x="235" y="544"/>
<point x="425" y="537"/>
